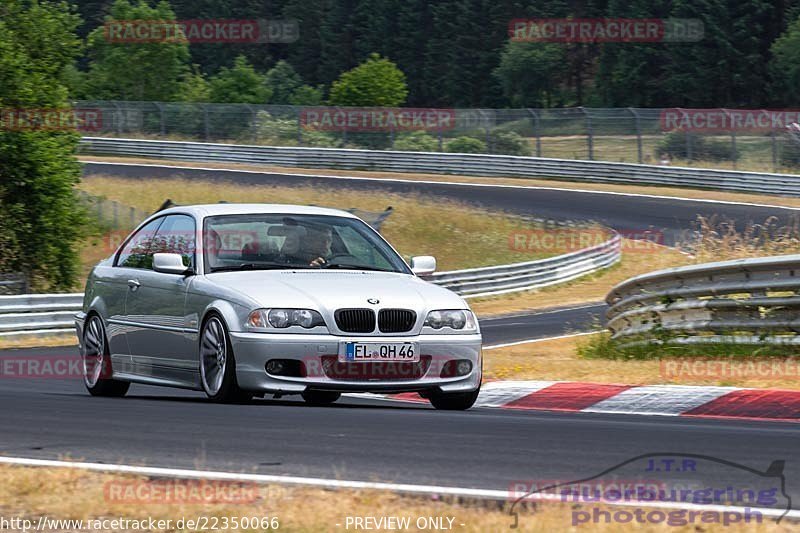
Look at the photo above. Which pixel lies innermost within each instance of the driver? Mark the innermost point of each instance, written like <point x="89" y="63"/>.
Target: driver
<point x="317" y="245"/>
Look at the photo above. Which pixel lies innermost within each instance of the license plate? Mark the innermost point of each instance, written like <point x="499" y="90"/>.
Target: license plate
<point x="380" y="351"/>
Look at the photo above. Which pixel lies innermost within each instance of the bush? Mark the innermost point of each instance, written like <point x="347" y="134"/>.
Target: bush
<point x="416" y="141"/>
<point x="509" y="143"/>
<point x="790" y="154"/>
<point x="675" y="145"/>
<point x="283" y="132"/>
<point x="466" y="145"/>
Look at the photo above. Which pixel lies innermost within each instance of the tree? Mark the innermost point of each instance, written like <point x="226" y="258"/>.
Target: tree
<point x="308" y="95"/>
<point x="375" y="82"/>
<point x="785" y="66"/>
<point x="240" y="84"/>
<point x="41" y="216"/>
<point x="136" y="71"/>
<point x="283" y="81"/>
<point x="195" y="88"/>
<point x="531" y="73"/>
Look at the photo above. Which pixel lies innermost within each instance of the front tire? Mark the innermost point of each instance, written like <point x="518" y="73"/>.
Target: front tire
<point x="319" y="397"/>
<point x="454" y="401"/>
<point x="217" y="364"/>
<point x="97" y="362"/>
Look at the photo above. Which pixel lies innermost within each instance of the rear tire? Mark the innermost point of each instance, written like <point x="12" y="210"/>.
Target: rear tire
<point x="96" y="362"/>
<point x="320" y="398"/>
<point x="218" y="365"/>
<point x="454" y="401"/>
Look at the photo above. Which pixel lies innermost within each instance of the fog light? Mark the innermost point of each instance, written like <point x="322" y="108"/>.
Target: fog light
<point x="452" y="369"/>
<point x="275" y="366"/>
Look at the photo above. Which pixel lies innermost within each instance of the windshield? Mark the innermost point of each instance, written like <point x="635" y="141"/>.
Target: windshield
<point x="281" y="241"/>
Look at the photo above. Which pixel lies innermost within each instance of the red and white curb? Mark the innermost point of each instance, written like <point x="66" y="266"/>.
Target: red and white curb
<point x="664" y="400"/>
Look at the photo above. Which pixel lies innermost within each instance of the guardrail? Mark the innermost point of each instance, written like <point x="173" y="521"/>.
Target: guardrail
<point x="446" y="163"/>
<point x="53" y="314"/>
<point x="38" y="314"/>
<point x="746" y="301"/>
<point x="488" y="281"/>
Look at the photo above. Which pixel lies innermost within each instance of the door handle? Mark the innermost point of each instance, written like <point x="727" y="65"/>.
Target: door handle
<point x="133" y="284"/>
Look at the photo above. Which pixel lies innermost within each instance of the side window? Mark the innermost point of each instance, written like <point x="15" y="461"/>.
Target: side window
<point x="136" y="253"/>
<point x="176" y="236"/>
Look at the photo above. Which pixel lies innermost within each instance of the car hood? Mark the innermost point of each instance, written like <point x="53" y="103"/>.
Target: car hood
<point x="331" y="290"/>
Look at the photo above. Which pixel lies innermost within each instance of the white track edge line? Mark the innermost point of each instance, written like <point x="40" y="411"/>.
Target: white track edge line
<point x="543" y="311"/>
<point x="531" y="341"/>
<point x="339" y="484"/>
<point x="464" y="184"/>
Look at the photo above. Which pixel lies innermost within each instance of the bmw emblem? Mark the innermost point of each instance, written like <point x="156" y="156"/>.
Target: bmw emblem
<point x="373" y="301"/>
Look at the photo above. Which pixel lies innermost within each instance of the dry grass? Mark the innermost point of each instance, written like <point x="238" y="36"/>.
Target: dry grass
<point x="491" y="180"/>
<point x="460" y="236"/>
<point x="635" y="260"/>
<point x="32" y="341"/>
<point x="558" y="360"/>
<point x="718" y="239"/>
<point x="75" y="494"/>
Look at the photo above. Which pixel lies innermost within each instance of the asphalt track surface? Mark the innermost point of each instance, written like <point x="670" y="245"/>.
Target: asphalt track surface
<point x="378" y="440"/>
<point x="366" y="439"/>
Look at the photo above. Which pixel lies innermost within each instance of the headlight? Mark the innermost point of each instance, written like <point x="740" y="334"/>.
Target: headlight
<point x="265" y="319"/>
<point x="458" y="319"/>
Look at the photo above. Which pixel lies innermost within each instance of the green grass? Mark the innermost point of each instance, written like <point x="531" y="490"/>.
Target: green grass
<point x="602" y="346"/>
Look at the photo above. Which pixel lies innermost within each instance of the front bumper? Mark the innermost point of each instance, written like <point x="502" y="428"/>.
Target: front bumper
<point x="80" y="320"/>
<point x="315" y="353"/>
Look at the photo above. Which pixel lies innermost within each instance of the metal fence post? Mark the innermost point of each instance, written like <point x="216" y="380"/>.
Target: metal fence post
<point x="441" y="141"/>
<point x="536" y="132"/>
<point x="589" y="134"/>
<point x="205" y="121"/>
<point x="733" y="138"/>
<point x="688" y="146"/>
<point x="254" y="121"/>
<point x="774" y="150"/>
<point x="161" y="118"/>
<point x="115" y="209"/>
<point x="299" y="127"/>
<point x="118" y="118"/>
<point x="638" y="125"/>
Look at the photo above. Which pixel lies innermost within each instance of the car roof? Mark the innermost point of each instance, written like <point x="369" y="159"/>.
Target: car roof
<point x="206" y="210"/>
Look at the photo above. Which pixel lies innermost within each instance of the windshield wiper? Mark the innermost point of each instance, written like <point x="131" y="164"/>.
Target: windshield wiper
<point x="353" y="266"/>
<point x="254" y="266"/>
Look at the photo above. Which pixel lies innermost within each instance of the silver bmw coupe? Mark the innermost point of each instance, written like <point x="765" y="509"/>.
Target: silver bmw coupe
<point x="243" y="300"/>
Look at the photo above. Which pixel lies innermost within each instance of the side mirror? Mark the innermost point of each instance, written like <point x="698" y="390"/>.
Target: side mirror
<point x="423" y="265"/>
<point x="169" y="264"/>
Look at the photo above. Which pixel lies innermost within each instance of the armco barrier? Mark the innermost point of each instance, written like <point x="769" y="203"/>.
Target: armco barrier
<point x="42" y="314"/>
<point x="749" y="301"/>
<point x="531" y="274"/>
<point x="446" y="163"/>
<point x="38" y="314"/>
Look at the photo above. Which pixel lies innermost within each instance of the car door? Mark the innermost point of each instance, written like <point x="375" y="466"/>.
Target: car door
<point x="158" y="333"/>
<point x="115" y="287"/>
